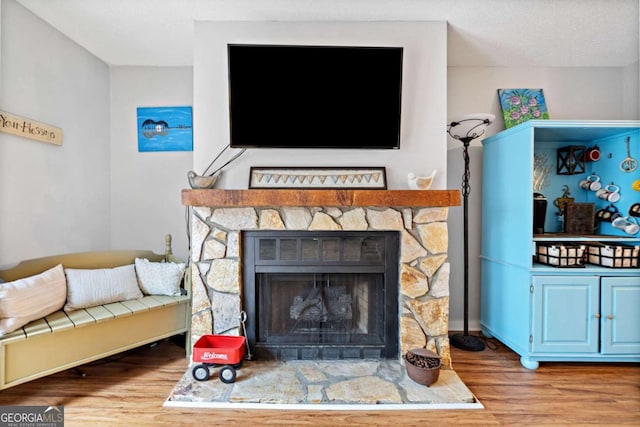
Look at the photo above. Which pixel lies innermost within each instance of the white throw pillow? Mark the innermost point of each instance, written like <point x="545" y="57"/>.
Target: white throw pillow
<point x="159" y="278"/>
<point x="88" y="288"/>
<point x="31" y="298"/>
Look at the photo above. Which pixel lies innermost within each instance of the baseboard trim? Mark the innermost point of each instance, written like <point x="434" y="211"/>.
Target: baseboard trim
<point x="458" y="325"/>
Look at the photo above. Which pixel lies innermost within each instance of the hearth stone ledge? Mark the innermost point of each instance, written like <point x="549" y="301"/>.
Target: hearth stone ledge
<point x="215" y="257"/>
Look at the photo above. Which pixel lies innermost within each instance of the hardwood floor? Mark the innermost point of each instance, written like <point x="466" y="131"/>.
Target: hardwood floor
<point x="129" y="391"/>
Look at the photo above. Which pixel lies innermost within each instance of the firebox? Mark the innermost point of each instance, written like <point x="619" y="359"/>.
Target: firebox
<point x="321" y="295"/>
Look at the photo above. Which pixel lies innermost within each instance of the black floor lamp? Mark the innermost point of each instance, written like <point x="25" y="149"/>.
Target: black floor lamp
<point x="466" y="130"/>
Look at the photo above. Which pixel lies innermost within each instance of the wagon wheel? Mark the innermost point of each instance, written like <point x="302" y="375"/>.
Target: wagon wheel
<point x="227" y="374"/>
<point x="200" y="372"/>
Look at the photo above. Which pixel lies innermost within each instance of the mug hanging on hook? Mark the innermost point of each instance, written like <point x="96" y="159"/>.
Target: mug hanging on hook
<point x="610" y="193"/>
<point x="627" y="224"/>
<point x="591" y="183"/>
<point x="592" y="154"/>
<point x="607" y="214"/>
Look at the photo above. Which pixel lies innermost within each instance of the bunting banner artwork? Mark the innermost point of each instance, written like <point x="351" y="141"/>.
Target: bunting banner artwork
<point x="318" y="177"/>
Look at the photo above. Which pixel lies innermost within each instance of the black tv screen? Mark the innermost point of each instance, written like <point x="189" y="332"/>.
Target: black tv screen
<point x="314" y="96"/>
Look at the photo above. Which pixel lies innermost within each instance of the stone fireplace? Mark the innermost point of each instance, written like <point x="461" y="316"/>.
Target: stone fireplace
<point x="219" y="218"/>
<point x="313" y="295"/>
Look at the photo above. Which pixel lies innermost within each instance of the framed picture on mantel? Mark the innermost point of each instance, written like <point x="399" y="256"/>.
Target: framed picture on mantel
<point x="371" y="178"/>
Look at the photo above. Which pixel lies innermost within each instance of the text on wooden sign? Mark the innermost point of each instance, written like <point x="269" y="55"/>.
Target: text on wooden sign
<point x="21" y="126"/>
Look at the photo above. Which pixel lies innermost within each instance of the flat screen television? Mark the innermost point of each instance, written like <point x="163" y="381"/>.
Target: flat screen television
<point x="289" y="96"/>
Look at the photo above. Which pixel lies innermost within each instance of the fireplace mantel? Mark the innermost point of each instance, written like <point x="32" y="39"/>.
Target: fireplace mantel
<point x="305" y="197"/>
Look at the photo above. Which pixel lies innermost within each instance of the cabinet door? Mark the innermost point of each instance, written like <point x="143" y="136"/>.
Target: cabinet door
<point x="620" y="315"/>
<point x="565" y="314"/>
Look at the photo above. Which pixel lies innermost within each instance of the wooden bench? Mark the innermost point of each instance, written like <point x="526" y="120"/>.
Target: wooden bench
<point x="65" y="340"/>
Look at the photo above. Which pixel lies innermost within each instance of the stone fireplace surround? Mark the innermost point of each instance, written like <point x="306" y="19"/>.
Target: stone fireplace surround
<point x="217" y="217"/>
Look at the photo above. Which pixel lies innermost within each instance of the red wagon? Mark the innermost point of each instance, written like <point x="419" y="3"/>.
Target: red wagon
<point x="215" y="350"/>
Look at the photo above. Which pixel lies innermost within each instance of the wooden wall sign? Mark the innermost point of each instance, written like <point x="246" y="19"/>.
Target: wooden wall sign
<point x="21" y="126"/>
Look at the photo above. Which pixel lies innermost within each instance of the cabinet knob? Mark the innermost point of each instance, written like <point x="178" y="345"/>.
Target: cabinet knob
<point x="610" y="317"/>
<point x="597" y="315"/>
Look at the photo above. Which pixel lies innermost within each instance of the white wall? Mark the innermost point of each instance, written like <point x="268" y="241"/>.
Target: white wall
<point x="423" y="105"/>
<point x="631" y="91"/>
<point x="53" y="199"/>
<point x="571" y="93"/>
<point x="1" y="50"/>
<point x="145" y="187"/>
<point x="95" y="191"/>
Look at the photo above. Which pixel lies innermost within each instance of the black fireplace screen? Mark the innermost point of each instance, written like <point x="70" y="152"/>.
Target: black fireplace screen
<point x="316" y="308"/>
<point x="321" y="295"/>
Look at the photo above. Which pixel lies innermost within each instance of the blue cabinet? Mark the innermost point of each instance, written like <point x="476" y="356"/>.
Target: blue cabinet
<point x="620" y="315"/>
<point x="566" y="316"/>
<point x="542" y="312"/>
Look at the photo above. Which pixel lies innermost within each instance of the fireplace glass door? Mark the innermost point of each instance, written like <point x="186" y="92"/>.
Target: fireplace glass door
<point x="321" y="308"/>
<point x="321" y="295"/>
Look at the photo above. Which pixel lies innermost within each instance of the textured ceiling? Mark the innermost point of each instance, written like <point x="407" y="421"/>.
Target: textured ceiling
<point x="501" y="33"/>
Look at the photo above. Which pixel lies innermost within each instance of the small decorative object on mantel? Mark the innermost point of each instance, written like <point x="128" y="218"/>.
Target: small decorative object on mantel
<point x="27" y="128"/>
<point x="423" y="366"/>
<point x="520" y="105"/>
<point x="420" y="182"/>
<point x="208" y="180"/>
<point x="372" y="178"/>
<point x="202" y="182"/>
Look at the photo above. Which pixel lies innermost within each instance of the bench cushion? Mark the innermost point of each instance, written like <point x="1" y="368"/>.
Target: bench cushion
<point x="88" y="288"/>
<point x="31" y="298"/>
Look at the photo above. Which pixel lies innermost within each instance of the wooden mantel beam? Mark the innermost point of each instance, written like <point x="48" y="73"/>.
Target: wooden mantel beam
<point x="304" y="197"/>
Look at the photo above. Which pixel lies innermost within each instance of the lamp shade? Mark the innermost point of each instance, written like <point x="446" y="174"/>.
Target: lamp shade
<point x="470" y="127"/>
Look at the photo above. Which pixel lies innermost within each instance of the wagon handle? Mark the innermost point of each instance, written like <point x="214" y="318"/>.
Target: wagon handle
<point x="243" y="319"/>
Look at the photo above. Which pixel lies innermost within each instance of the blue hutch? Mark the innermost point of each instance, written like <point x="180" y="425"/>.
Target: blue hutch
<point x="544" y="312"/>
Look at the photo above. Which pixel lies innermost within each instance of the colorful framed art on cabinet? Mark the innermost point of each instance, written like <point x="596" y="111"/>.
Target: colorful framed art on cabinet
<point x="520" y="105"/>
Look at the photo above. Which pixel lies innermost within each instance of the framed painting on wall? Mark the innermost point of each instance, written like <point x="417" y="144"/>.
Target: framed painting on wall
<point x="165" y="129"/>
<point x="520" y="105"/>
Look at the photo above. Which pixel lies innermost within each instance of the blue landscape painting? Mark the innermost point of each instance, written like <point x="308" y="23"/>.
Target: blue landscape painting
<point x="165" y="129"/>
